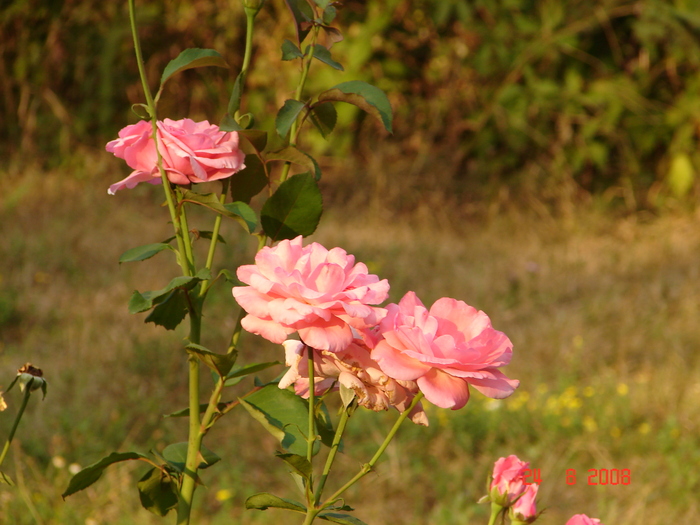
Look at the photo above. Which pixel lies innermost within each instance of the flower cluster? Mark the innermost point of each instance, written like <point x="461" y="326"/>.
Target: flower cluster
<point x="386" y="355"/>
<point x="192" y="152"/>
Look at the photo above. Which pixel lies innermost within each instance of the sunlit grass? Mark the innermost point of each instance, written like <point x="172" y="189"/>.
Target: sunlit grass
<point x="602" y="314"/>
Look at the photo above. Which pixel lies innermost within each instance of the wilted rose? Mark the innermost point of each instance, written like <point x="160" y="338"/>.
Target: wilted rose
<point x="444" y="349"/>
<point x="192" y="152"/>
<point x="317" y="292"/>
<point x="353" y="368"/>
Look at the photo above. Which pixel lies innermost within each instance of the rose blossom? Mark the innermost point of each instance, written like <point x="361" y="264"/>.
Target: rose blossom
<point x="444" y="349"/>
<point x="317" y="292"/>
<point x="353" y="368"/>
<point x="508" y="480"/>
<point x="524" y="509"/>
<point x="191" y="151"/>
<point x="582" y="519"/>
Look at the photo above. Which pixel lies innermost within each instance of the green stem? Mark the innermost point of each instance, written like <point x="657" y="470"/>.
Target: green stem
<point x="250" y="18"/>
<point x="366" y="468"/>
<point x="334" y="450"/>
<point x="297" y="96"/>
<point x="185" y="231"/>
<point x="495" y="511"/>
<point x="25" y="400"/>
<point x="311" y="438"/>
<point x="214" y="238"/>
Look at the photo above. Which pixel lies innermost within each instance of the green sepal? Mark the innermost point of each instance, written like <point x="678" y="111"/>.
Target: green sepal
<point x="287" y="115"/>
<point x="220" y="363"/>
<point x="142" y="111"/>
<point x="296" y="156"/>
<point x="176" y="456"/>
<point x="238" y="211"/>
<point x="191" y="58"/>
<point x="144" y="252"/>
<point x="322" y="54"/>
<point x="297" y="464"/>
<point x="92" y="473"/>
<point x="324" y="117"/>
<point x="294" y="209"/>
<point x="290" y="51"/>
<point x="343" y="519"/>
<point x="265" y="500"/>
<point x="158" y="492"/>
<point x="363" y="95"/>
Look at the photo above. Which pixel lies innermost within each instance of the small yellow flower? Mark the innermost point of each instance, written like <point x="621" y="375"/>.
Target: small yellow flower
<point x="589" y="391"/>
<point x="644" y="428"/>
<point x="622" y="389"/>
<point x="615" y="432"/>
<point x="3" y="405"/>
<point x="590" y="424"/>
<point x="223" y="494"/>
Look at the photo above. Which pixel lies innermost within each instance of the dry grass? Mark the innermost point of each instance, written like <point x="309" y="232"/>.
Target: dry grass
<point x="606" y="307"/>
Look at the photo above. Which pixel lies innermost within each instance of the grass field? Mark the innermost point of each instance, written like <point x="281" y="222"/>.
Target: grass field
<point x="603" y="314"/>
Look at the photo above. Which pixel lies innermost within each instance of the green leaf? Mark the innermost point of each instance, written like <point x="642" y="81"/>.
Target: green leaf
<point x="296" y="156"/>
<point x="303" y="16"/>
<point x="265" y="500"/>
<point x="290" y="51"/>
<point x="363" y="95"/>
<point x="324" y="117"/>
<point x="287" y="115"/>
<point x="322" y="54"/>
<point x="170" y="312"/>
<point x="176" y="456"/>
<point x="191" y="58"/>
<point x="220" y="363"/>
<point x="250" y="181"/>
<point x="329" y="14"/>
<point x="206" y="234"/>
<point x="343" y="519"/>
<point x="283" y="414"/>
<point x="238" y="211"/>
<point x="294" y="209"/>
<point x="228" y="123"/>
<point x="298" y="464"/>
<point x="92" y="473"/>
<point x="250" y="369"/>
<point x="7" y="480"/>
<point x="158" y="492"/>
<point x="144" y="252"/>
<point x="140" y="302"/>
<point x="185" y="412"/>
<point x="234" y="103"/>
<point x="256" y="138"/>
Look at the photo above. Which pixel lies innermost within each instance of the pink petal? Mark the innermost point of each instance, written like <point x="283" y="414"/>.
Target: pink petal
<point x="443" y="390"/>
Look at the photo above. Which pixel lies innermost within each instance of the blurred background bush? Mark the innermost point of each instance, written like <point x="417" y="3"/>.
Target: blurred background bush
<point x="550" y="100"/>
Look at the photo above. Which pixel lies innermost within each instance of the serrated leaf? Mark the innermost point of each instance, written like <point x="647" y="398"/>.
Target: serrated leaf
<point x="290" y="51"/>
<point x="329" y="14"/>
<point x="332" y="35"/>
<point x="144" y="252"/>
<point x="343" y="519"/>
<point x="176" y="456"/>
<point x="191" y="58"/>
<point x="251" y="369"/>
<point x="322" y="54"/>
<point x="283" y="414"/>
<point x="170" y="312"/>
<point x="257" y="138"/>
<point x="158" y="492"/>
<point x="294" y="209"/>
<point x="296" y="156"/>
<point x="206" y="234"/>
<point x="239" y="211"/>
<point x="248" y="182"/>
<point x="363" y="95"/>
<point x="265" y="500"/>
<point x="324" y="117"/>
<point x="298" y="464"/>
<point x="287" y="115"/>
<point x="142" y="301"/>
<point x="220" y="363"/>
<point x="303" y="16"/>
<point x="92" y="473"/>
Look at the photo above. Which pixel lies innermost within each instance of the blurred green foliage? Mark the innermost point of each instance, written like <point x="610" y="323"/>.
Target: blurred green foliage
<point x="554" y="98"/>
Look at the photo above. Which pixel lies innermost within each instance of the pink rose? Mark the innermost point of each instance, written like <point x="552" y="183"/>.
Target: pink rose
<point x="317" y="292"/>
<point x="444" y="350"/>
<point x="508" y="480"/>
<point x="524" y="509"/>
<point x="582" y="519"/>
<point x="191" y="151"/>
<point x="353" y="368"/>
